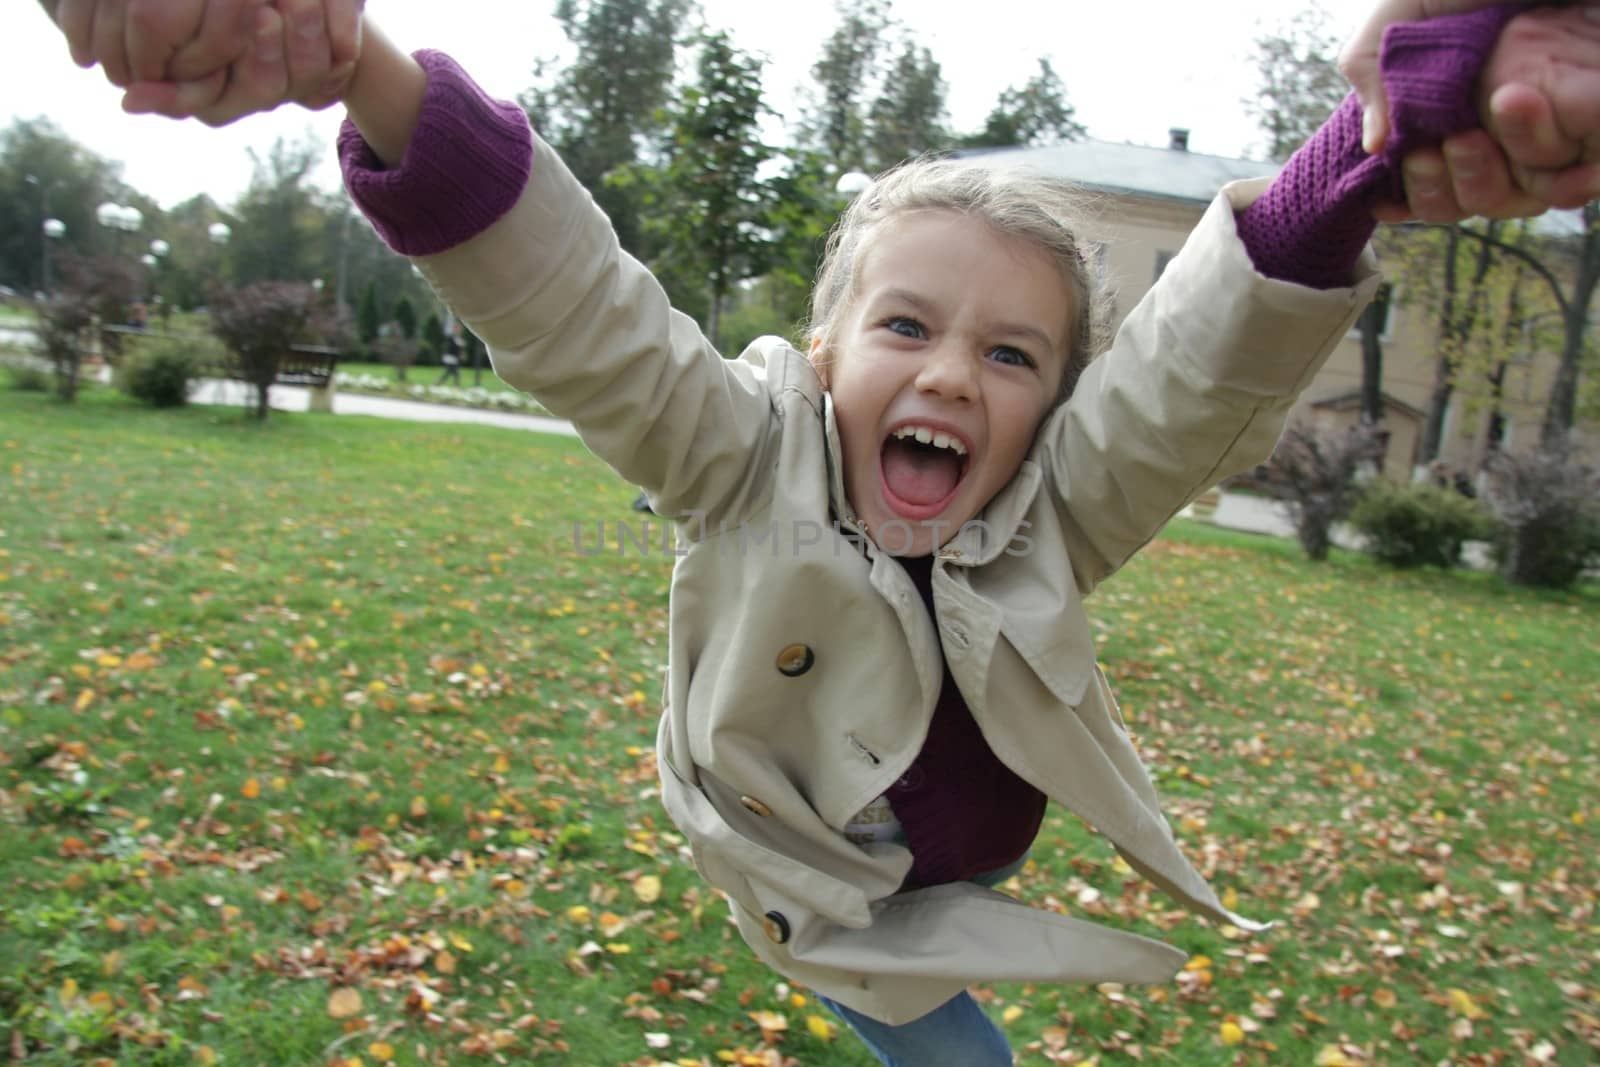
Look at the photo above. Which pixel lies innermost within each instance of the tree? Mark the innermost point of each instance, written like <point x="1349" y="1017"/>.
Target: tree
<point x="1299" y="86"/>
<point x="369" y="320"/>
<point x="708" y="212"/>
<point x="405" y="317"/>
<point x="1567" y="261"/>
<point x="835" y="122"/>
<point x="46" y="174"/>
<point x="1298" y="82"/>
<point x="1314" y="472"/>
<point x="92" y="292"/>
<point x="279" y="217"/>
<point x="597" y="110"/>
<point x="909" y="117"/>
<point x="1035" y="114"/>
<point x="258" y="323"/>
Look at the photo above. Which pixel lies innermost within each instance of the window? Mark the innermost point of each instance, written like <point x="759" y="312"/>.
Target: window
<point x="1382" y="309"/>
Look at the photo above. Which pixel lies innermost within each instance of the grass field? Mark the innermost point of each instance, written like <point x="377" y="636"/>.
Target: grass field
<point x="321" y="746"/>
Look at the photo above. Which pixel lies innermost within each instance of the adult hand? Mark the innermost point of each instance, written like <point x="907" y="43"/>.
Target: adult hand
<point x="216" y="60"/>
<point x="303" y="51"/>
<point x="1540" y="102"/>
<point x="1358" y="61"/>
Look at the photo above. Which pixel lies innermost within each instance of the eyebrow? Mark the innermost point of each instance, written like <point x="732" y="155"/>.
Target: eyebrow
<point x="1004" y="329"/>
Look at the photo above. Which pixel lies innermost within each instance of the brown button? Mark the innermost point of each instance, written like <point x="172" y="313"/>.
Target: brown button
<point x="776" y="927"/>
<point x="755" y="805"/>
<point x="795" y="660"/>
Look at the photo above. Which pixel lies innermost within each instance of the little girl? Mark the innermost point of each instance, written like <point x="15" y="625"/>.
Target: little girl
<point x="861" y="731"/>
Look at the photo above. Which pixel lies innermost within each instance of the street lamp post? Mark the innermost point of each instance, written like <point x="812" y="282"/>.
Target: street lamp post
<point x="54" y="230"/>
<point x="119" y="219"/>
<point x="50" y="229"/>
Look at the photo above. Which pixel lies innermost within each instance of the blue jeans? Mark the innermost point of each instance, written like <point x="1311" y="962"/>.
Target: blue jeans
<point x="955" y="1034"/>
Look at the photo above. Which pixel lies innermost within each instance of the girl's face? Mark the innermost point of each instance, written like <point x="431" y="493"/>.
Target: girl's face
<point x="946" y="358"/>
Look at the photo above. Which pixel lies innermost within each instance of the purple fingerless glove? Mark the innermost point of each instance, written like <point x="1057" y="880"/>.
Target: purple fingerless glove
<point x="1311" y="224"/>
<point x="465" y="166"/>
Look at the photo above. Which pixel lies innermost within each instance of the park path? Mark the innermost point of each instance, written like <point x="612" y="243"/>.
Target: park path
<point x="1237" y="511"/>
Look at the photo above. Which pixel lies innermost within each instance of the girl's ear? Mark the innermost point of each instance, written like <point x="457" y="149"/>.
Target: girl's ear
<point x="819" y="359"/>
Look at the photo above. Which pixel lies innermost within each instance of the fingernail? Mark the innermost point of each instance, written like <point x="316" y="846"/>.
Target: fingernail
<point x="1372" y="129"/>
<point x="1423" y="178"/>
<point x="1465" y="162"/>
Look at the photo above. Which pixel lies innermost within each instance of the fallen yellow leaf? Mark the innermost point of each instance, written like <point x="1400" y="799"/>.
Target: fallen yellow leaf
<point x="1012" y="1013"/>
<point x="343" y="1003"/>
<point x="820" y="1028"/>
<point x="1462" y="1004"/>
<point x="1230" y="1033"/>
<point x="647" y="888"/>
<point x="381" y="1051"/>
<point x="251" y="788"/>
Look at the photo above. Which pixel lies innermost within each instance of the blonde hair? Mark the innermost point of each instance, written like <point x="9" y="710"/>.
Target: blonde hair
<point x="1048" y="212"/>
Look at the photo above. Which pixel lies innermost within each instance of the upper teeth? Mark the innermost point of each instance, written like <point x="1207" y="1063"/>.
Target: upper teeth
<point x="936" y="438"/>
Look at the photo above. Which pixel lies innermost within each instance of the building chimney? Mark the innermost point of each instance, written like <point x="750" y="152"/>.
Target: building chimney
<point x="1178" y="139"/>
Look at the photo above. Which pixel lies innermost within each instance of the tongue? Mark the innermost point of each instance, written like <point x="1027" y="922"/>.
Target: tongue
<point x="919" y="474"/>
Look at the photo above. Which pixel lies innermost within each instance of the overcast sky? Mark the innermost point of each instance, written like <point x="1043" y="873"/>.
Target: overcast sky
<point x="1132" y="68"/>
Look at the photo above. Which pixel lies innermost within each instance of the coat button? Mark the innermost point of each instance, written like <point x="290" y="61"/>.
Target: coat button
<point x="754" y="805"/>
<point x="795" y="660"/>
<point x="776" y="927"/>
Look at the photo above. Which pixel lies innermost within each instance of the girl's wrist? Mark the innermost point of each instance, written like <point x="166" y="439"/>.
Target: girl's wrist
<point x="384" y="95"/>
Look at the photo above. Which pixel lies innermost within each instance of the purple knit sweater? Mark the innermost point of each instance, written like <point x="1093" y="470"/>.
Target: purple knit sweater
<point x="963" y="812"/>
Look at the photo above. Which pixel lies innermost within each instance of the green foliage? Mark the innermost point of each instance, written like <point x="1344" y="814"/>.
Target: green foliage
<point x="1298" y="81"/>
<point x="160" y="370"/>
<point x="1548" y="503"/>
<point x="46" y="174"/>
<point x="1037" y="113"/>
<point x="432" y="338"/>
<point x="835" y="123"/>
<point x="405" y="317"/>
<point x="610" y="99"/>
<point x="369" y="320"/>
<point x="909" y="118"/>
<point x="26" y="376"/>
<point x="1417" y="525"/>
<point x="707" y="214"/>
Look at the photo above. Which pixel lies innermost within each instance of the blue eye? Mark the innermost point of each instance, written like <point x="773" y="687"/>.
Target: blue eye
<point x="905" y="327"/>
<point x="1015" y="357"/>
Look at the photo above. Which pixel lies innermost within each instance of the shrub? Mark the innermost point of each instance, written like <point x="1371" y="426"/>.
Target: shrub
<point x="1417" y="525"/>
<point x="1314" y="472"/>
<point x="258" y="324"/>
<point x="161" y="371"/>
<point x="27" y="376"/>
<point x="1548" y="503"/>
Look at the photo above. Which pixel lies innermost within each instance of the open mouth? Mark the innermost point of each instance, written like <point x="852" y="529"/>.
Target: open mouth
<point x="921" y="467"/>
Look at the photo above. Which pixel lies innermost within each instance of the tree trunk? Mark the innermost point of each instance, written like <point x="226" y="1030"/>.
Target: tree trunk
<point x="1372" y="362"/>
<point x="262" y="390"/>
<point x="1560" y="412"/>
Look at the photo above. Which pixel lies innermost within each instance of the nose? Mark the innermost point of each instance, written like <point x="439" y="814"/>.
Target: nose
<point x="950" y="372"/>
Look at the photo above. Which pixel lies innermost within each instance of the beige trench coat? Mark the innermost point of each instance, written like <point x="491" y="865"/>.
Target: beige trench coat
<point x="804" y="669"/>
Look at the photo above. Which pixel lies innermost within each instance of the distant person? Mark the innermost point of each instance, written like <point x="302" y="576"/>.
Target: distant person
<point x="451" y="357"/>
<point x="866" y="716"/>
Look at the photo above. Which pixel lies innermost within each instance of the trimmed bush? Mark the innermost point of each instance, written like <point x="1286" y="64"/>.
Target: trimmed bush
<point x="161" y="371"/>
<point x="1314" y="472"/>
<point x="27" y="377"/>
<point x="1548" y="503"/>
<point x="1418" y="525"/>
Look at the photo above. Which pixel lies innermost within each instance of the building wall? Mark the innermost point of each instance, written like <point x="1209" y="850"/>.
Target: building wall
<point x="1138" y="232"/>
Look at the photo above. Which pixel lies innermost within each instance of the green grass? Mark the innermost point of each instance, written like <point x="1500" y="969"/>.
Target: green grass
<point x="312" y="707"/>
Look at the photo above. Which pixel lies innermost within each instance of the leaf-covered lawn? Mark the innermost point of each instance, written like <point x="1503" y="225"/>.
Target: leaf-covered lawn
<point x="322" y="743"/>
